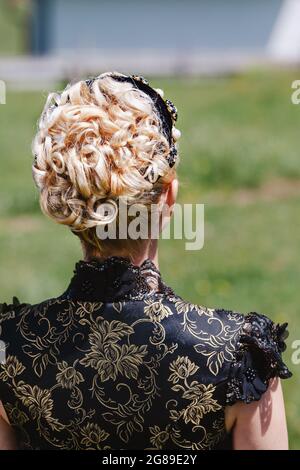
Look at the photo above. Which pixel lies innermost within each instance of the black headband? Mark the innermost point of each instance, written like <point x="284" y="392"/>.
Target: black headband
<point x="159" y="103"/>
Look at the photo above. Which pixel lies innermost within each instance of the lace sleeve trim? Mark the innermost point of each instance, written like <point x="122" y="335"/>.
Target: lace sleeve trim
<point x="257" y="359"/>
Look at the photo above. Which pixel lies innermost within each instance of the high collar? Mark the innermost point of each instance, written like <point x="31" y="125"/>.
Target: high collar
<point x="115" y="279"/>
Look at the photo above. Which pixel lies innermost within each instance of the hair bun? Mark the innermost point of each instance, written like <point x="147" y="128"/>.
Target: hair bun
<point x="98" y="142"/>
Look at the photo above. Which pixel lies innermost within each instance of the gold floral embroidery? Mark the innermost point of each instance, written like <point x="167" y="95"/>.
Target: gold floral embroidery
<point x="202" y="402"/>
<point x="88" y="308"/>
<point x="93" y="436"/>
<point x="44" y="348"/>
<point x="117" y="370"/>
<point x="219" y="347"/>
<point x="181" y="369"/>
<point x="200" y="395"/>
<point x="186" y="307"/>
<point x="68" y="377"/>
<point x="39" y="403"/>
<point x="205" y="439"/>
<point x="156" y="310"/>
<point x="159" y="436"/>
<point x="107" y="356"/>
<point x="11" y="368"/>
<point x="125" y="360"/>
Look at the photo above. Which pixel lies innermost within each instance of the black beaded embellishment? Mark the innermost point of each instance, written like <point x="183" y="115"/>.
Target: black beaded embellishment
<point x="250" y="374"/>
<point x="257" y="359"/>
<point x="115" y="279"/>
<point x="172" y="109"/>
<point x="139" y="78"/>
<point x="172" y="156"/>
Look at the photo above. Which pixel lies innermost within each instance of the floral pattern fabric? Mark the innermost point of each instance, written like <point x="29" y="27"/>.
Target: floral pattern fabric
<point x="119" y="361"/>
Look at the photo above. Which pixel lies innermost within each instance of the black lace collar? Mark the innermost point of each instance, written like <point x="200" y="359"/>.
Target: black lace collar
<point x="115" y="279"/>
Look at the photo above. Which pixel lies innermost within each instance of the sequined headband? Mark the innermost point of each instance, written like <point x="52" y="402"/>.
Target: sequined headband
<point x="165" y="109"/>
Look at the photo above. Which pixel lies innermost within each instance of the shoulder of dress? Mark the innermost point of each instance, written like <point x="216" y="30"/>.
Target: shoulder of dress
<point x="9" y="312"/>
<point x="8" y="307"/>
<point x="209" y="318"/>
<point x="209" y="336"/>
<point x="242" y="350"/>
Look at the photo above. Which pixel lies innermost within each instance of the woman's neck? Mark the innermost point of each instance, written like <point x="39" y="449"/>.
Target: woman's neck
<point x="150" y="252"/>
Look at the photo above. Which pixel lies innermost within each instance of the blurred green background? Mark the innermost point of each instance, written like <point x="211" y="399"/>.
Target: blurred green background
<point x="239" y="156"/>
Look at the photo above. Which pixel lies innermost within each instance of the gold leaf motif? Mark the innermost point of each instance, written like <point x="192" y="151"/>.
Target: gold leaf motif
<point x="11" y="368"/>
<point x="156" y="310"/>
<point x="181" y="369"/>
<point x="117" y="306"/>
<point x="158" y="437"/>
<point x="68" y="377"/>
<point x="93" y="436"/>
<point x="200" y="395"/>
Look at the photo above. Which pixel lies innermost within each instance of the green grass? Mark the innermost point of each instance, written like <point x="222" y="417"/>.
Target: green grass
<point x="238" y="133"/>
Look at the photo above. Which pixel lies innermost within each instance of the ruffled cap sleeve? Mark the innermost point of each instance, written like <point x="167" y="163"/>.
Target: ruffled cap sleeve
<point x="258" y="359"/>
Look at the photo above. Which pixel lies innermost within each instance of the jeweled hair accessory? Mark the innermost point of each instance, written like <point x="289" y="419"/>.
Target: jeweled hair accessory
<point x="167" y="112"/>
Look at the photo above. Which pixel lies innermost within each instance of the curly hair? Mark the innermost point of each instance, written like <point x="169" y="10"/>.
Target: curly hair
<point x="94" y="145"/>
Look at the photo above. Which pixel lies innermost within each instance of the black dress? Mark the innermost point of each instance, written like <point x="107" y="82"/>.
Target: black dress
<point x="121" y="362"/>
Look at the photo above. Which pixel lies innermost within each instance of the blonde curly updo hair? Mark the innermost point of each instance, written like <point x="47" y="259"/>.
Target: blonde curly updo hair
<point x="97" y="141"/>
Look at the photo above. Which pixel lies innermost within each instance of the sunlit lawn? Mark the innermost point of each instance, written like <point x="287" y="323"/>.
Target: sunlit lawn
<point x="239" y="134"/>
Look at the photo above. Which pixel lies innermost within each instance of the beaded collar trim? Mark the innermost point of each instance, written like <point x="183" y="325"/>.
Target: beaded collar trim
<point x="115" y="279"/>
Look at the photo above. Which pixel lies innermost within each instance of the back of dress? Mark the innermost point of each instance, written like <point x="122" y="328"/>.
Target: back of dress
<point x="120" y="362"/>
